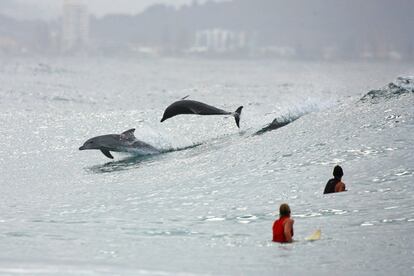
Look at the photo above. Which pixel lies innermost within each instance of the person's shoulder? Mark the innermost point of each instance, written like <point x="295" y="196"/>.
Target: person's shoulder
<point x="331" y="182"/>
<point x="289" y="221"/>
<point x="340" y="186"/>
<point x="330" y="186"/>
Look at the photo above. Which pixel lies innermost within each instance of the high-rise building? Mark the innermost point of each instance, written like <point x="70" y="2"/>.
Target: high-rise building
<point x="75" y="26"/>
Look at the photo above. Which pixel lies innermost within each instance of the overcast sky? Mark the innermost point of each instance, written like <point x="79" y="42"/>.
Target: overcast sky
<point x="47" y="9"/>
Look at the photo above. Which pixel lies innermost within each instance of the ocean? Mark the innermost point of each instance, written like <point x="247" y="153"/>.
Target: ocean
<point x="206" y="205"/>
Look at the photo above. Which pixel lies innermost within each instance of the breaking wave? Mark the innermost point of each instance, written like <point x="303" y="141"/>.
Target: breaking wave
<point x="401" y="86"/>
<point x="278" y="123"/>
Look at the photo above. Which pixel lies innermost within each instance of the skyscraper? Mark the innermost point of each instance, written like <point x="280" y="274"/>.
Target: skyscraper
<point x="75" y="26"/>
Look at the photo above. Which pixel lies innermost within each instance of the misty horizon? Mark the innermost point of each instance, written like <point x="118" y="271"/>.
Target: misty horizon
<point x="52" y="9"/>
<point x="298" y="29"/>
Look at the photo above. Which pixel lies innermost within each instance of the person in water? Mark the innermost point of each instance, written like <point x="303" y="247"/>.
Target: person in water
<point x="283" y="227"/>
<point x="335" y="185"/>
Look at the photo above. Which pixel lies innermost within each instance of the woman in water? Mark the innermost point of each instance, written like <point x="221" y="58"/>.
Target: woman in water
<point x="283" y="227"/>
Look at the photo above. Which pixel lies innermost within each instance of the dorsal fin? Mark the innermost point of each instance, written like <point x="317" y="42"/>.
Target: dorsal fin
<point x="129" y="134"/>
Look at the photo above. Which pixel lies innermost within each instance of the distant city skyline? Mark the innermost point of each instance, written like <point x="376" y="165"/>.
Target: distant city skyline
<point x="51" y="9"/>
<point x="294" y="29"/>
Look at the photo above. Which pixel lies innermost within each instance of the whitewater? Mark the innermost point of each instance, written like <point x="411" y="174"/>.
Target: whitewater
<point x="206" y="204"/>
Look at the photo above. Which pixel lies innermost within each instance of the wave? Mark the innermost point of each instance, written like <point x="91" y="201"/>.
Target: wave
<point x="278" y="123"/>
<point x="135" y="159"/>
<point x="293" y="111"/>
<point x="128" y="163"/>
<point x="401" y="86"/>
<point x="168" y="150"/>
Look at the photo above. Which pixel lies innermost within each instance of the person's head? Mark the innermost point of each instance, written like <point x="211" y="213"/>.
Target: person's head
<point x="338" y="172"/>
<point x="284" y="210"/>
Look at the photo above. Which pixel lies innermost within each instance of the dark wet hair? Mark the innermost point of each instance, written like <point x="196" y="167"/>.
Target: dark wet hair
<point x="284" y="210"/>
<point x="338" y="172"/>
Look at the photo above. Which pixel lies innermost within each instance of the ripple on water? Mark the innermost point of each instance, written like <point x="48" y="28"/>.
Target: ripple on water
<point x="132" y="162"/>
<point x="212" y="218"/>
<point x="390" y="207"/>
<point x="17" y="234"/>
<point x="322" y="212"/>
<point x="393" y="175"/>
<point x="308" y="215"/>
<point x="387" y="221"/>
<point x="59" y="237"/>
<point x="171" y="232"/>
<point x="404" y="173"/>
<point x="242" y="219"/>
<point x="160" y="232"/>
<point x="246" y="219"/>
<point x="381" y="190"/>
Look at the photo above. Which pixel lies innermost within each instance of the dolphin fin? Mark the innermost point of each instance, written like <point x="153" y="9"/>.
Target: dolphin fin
<point x="237" y="114"/>
<point x="107" y="153"/>
<point x="129" y="134"/>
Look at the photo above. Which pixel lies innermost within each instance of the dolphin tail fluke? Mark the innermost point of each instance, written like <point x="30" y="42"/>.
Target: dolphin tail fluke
<point x="237" y="114"/>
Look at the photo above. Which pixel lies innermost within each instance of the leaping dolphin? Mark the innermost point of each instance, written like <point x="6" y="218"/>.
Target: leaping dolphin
<point x="124" y="142"/>
<point x="198" y="108"/>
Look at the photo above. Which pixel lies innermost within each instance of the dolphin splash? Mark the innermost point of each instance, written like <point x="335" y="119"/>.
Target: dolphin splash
<point x="124" y="142"/>
<point x="198" y="108"/>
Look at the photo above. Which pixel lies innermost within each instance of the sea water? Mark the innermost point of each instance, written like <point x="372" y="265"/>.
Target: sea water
<point x="208" y="209"/>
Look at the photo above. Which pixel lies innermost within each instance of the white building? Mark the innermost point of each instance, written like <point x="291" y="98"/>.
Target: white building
<point x="75" y="26"/>
<point x="219" y="41"/>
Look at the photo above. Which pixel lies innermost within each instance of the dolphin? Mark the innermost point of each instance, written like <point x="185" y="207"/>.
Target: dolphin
<point x="124" y="142"/>
<point x="198" y="108"/>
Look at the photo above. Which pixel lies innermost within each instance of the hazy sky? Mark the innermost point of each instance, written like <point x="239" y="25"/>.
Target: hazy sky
<point x="52" y="8"/>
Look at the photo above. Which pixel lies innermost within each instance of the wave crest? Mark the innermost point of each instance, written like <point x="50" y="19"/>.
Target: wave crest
<point x="401" y="86"/>
<point x="278" y="123"/>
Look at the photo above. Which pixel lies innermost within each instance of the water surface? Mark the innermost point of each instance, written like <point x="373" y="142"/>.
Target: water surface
<point x="207" y="209"/>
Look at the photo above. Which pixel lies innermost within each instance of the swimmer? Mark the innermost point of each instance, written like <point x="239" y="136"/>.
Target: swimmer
<point x="335" y="185"/>
<point x="283" y="227"/>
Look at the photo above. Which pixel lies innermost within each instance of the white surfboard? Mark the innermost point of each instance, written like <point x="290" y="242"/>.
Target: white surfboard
<point x="315" y="236"/>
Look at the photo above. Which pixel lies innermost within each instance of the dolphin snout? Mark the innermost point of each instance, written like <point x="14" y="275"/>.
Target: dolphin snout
<point x="82" y="148"/>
